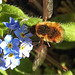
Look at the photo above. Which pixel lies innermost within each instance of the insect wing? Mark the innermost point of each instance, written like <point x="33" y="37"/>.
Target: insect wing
<point x="49" y="8"/>
<point x="40" y="57"/>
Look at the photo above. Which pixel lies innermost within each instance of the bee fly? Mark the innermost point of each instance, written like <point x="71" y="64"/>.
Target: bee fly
<point x="48" y="31"/>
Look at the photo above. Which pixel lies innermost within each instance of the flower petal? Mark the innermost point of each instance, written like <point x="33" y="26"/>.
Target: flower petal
<point x="0" y="1"/>
<point x="6" y="24"/>
<point x="17" y="32"/>
<point x="15" y="61"/>
<point x="11" y="20"/>
<point x="2" y="64"/>
<point x="24" y="27"/>
<point x="27" y="39"/>
<point x="8" y="62"/>
<point x="0" y="50"/>
<point x="15" y="49"/>
<point x="6" y="50"/>
<point x="0" y="41"/>
<point x="16" y="41"/>
<point x="26" y="54"/>
<point x="3" y="45"/>
<point x="13" y="24"/>
<point x="17" y="25"/>
<point x="29" y="34"/>
<point x="28" y="47"/>
<point x="8" y="38"/>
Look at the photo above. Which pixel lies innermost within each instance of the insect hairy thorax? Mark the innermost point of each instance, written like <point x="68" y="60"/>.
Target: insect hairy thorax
<point x="50" y="31"/>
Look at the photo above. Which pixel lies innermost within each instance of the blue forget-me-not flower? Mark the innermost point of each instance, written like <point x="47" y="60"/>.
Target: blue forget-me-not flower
<point x="13" y="49"/>
<point x="13" y="24"/>
<point x="12" y="59"/>
<point x="22" y="33"/>
<point x="9" y="44"/>
<point x="25" y="48"/>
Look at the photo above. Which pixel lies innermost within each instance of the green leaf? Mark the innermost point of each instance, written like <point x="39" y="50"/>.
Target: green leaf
<point x="4" y="17"/>
<point x="25" y="66"/>
<point x="69" y="28"/>
<point x="10" y="9"/>
<point x="1" y="32"/>
<point x="7" y="11"/>
<point x="68" y="73"/>
<point x="3" y="29"/>
<point x="32" y="21"/>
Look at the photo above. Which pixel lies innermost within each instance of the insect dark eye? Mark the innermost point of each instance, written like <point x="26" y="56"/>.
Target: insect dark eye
<point x="43" y="29"/>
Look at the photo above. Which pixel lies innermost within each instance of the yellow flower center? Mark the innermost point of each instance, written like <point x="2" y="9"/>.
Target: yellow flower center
<point x="22" y="47"/>
<point x="22" y="35"/>
<point x="10" y="55"/>
<point x="0" y="61"/>
<point x="10" y="45"/>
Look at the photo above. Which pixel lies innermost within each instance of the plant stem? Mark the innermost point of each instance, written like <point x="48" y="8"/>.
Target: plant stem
<point x="44" y="10"/>
<point x="54" y="62"/>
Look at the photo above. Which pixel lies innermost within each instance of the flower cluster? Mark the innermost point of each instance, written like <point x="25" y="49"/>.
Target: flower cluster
<point x="13" y="49"/>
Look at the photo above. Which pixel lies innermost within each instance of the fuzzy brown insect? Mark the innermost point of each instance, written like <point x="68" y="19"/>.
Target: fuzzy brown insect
<point x="50" y="31"/>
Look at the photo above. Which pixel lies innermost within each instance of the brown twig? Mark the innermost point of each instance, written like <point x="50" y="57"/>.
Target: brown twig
<point x="44" y="10"/>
